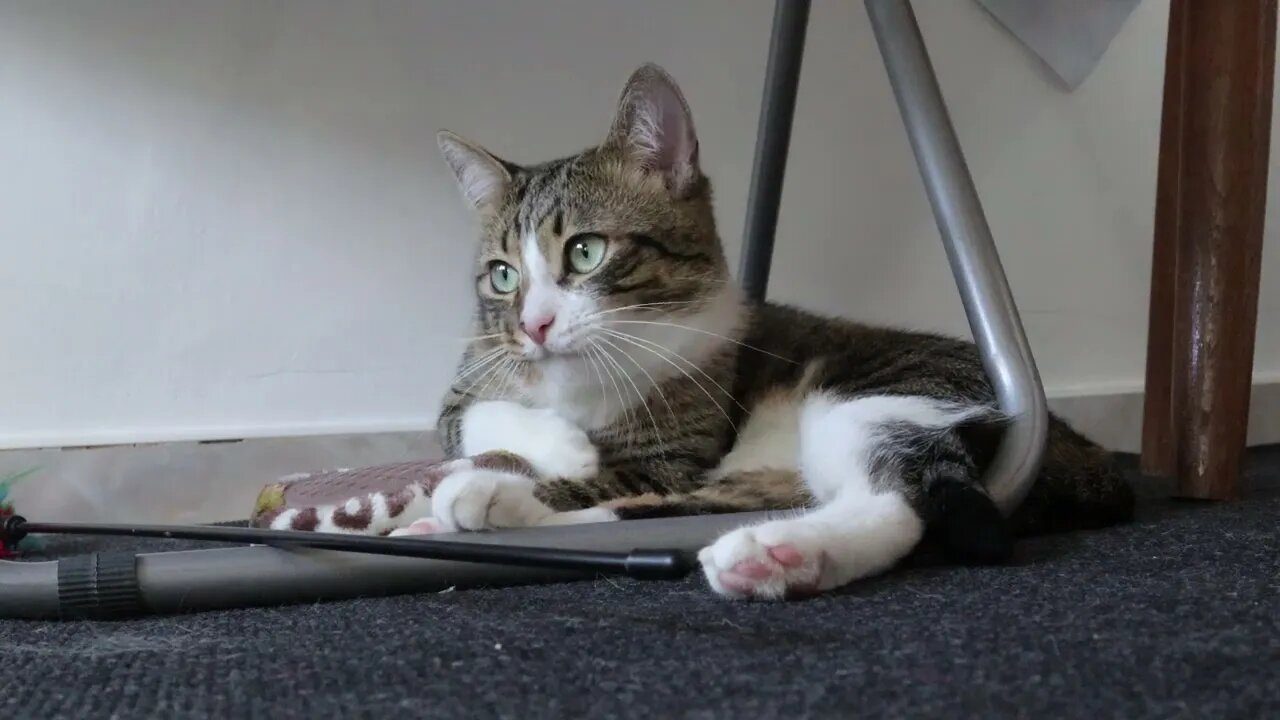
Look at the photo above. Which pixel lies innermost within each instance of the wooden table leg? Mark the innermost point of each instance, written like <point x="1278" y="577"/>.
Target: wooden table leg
<point x="1159" y="456"/>
<point x="1210" y="204"/>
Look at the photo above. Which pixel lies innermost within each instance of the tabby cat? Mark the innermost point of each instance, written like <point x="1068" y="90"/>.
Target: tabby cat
<point x="615" y="354"/>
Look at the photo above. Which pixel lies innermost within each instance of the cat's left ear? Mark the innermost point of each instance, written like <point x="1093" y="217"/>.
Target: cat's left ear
<point x="654" y="127"/>
<point x="482" y="176"/>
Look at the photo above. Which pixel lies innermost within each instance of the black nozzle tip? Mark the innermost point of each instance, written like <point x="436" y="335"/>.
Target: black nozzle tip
<point x="659" y="564"/>
<point x="12" y="530"/>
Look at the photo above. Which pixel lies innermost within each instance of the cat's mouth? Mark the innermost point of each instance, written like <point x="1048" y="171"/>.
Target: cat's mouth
<point x="580" y="346"/>
<point x="573" y="341"/>
<point x="537" y="353"/>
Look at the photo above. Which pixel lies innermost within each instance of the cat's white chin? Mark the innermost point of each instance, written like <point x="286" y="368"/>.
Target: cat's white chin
<point x="557" y="346"/>
<point x="535" y="353"/>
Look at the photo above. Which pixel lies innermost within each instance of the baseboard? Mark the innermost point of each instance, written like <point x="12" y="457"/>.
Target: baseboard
<point x="1112" y="414"/>
<point x="186" y="482"/>
<point x="214" y="481"/>
<point x="155" y="435"/>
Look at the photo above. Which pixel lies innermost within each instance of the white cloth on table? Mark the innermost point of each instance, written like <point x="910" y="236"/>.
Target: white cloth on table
<point x="1070" y="36"/>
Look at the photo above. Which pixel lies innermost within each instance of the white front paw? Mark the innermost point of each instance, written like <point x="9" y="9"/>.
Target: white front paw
<point x="560" y="449"/>
<point x="555" y="447"/>
<point x="486" y="499"/>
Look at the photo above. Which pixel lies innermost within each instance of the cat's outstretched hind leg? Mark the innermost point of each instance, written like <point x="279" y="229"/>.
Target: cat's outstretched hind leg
<point x="853" y="536"/>
<point x="872" y="464"/>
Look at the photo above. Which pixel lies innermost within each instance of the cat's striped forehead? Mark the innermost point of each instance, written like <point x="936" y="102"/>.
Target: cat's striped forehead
<point x="535" y="207"/>
<point x="588" y="192"/>
<point x="540" y="193"/>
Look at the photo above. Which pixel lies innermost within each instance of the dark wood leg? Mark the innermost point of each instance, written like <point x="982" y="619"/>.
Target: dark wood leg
<point x="1159" y="456"/>
<point x="1210" y="204"/>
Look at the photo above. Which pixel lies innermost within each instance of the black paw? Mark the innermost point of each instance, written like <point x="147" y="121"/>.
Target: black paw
<point x="968" y="525"/>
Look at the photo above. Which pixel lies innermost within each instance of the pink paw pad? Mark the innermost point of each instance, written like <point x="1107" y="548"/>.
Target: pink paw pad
<point x="737" y="583"/>
<point x="752" y="569"/>
<point x="786" y="555"/>
<point x="747" y="577"/>
<point x="425" y="526"/>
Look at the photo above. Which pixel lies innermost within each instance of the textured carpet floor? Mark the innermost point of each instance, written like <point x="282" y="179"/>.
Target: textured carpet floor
<point x="1176" y="615"/>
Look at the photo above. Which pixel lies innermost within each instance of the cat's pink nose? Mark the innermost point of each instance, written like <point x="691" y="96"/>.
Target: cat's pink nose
<point x="537" y="329"/>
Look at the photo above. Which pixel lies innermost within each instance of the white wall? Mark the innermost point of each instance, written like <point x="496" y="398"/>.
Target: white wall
<point x="228" y="218"/>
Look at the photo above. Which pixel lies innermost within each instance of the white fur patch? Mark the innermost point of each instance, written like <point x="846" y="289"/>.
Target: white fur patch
<point x="284" y="519"/>
<point x="857" y="531"/>
<point x="581" y="517"/>
<point x="555" y="447"/>
<point x="541" y="294"/>
<point x="838" y="436"/>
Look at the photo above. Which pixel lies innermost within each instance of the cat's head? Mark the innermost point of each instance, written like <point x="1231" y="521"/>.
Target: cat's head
<point x="571" y="248"/>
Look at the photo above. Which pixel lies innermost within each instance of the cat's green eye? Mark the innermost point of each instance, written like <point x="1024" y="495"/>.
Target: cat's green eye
<point x="504" y="278"/>
<point x="585" y="252"/>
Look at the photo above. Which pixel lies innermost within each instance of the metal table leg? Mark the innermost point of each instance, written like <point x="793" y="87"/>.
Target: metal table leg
<point x="782" y="79"/>
<point x="988" y="303"/>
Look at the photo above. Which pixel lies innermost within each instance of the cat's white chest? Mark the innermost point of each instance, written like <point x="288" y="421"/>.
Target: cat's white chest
<point x="581" y="393"/>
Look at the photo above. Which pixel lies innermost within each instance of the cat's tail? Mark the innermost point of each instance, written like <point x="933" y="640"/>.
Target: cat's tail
<point x="1080" y="487"/>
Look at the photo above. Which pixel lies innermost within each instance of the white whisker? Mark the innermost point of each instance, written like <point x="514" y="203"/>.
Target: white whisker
<point x="493" y="364"/>
<point x="684" y="372"/>
<point x="640" y="306"/>
<point x="502" y="368"/>
<point x="623" y="408"/>
<point x="488" y="361"/>
<point x="652" y="381"/>
<point x="656" y="433"/>
<point x="628" y="416"/>
<point x="474" y="338"/>
<point x="687" y="361"/>
<point x="475" y="364"/>
<point x="704" y="332"/>
<point x="595" y="365"/>
<point x="505" y="384"/>
<point x="709" y="281"/>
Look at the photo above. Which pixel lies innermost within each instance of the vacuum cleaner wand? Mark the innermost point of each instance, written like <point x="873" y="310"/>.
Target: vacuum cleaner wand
<point x="638" y="564"/>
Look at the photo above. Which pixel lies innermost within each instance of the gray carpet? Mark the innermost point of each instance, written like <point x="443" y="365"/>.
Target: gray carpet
<point x="1176" y="615"/>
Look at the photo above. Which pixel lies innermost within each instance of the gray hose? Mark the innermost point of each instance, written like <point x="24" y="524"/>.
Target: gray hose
<point x="113" y="585"/>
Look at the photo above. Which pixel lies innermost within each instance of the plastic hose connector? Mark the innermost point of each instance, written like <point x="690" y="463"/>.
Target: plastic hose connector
<point x="11" y="532"/>
<point x="99" y="586"/>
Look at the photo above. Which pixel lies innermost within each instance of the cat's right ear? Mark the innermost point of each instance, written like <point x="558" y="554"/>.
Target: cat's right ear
<point x="482" y="176"/>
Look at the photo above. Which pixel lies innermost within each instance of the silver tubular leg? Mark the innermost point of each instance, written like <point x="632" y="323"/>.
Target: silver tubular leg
<point x="773" y="136"/>
<point x="988" y="303"/>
